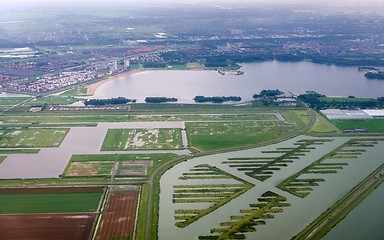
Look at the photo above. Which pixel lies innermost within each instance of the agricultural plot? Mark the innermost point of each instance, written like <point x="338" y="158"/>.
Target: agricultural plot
<point x="269" y="205"/>
<point x="83" y="169"/>
<point x="322" y="125"/>
<point x="220" y="135"/>
<point x="370" y="125"/>
<point x="134" y="139"/>
<point x="262" y="168"/>
<point x="66" y="202"/>
<point x="134" y="168"/>
<point x="53" y="100"/>
<point x="210" y="192"/>
<point x="206" y="117"/>
<point x="31" y="138"/>
<point x="47" y="226"/>
<point x="11" y="101"/>
<point x="118" y="220"/>
<point x="302" y="183"/>
<point x="100" y="165"/>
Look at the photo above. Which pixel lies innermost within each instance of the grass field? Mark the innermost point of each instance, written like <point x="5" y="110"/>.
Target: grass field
<point x="322" y="125"/>
<point x="371" y="125"/>
<point x="10" y="101"/>
<point x="36" y="137"/>
<point x="130" y="139"/>
<point x="49" y="203"/>
<point x="219" y="135"/>
<point x="53" y="100"/>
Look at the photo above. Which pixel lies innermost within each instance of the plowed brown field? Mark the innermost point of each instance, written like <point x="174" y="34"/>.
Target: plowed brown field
<point x="47" y="226"/>
<point x="119" y="216"/>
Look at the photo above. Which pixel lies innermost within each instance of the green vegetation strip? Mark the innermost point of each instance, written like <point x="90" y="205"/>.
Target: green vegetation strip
<point x="263" y="168"/>
<point x="319" y="167"/>
<point x="269" y="204"/>
<point x="218" y="194"/>
<point x="19" y="151"/>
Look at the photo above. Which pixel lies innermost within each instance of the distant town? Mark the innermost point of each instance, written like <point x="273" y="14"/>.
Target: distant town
<point x="65" y="53"/>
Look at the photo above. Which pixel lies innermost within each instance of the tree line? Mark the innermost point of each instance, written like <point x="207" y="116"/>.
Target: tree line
<point x="109" y="101"/>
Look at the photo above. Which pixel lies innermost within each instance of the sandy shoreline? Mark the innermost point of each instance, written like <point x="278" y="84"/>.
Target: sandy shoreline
<point x="91" y="89"/>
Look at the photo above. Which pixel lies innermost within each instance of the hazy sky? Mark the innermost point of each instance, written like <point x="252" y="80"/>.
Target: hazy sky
<point x="339" y="3"/>
<point x="344" y="2"/>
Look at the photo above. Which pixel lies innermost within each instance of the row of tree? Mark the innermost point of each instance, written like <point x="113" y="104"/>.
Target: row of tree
<point x="375" y="75"/>
<point x="217" y="99"/>
<point x="314" y="101"/>
<point x="109" y="101"/>
<point x="159" y="99"/>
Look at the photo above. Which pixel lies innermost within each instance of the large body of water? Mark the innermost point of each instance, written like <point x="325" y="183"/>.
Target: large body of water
<point x="366" y="221"/>
<point x="295" y="77"/>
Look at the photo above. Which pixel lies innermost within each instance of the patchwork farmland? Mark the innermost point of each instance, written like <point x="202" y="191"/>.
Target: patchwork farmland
<point x="101" y="176"/>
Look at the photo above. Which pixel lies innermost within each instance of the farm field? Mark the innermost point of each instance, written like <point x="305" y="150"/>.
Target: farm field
<point x="209" y="136"/>
<point x="129" y="165"/>
<point x="47" y="226"/>
<point x="246" y="185"/>
<point x="119" y="216"/>
<point x="132" y="139"/>
<point x="371" y="125"/>
<point x="11" y="101"/>
<point x="322" y="125"/>
<point x="31" y="138"/>
<point x="49" y="203"/>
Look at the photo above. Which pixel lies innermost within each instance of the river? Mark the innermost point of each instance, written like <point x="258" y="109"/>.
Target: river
<point x="296" y="77"/>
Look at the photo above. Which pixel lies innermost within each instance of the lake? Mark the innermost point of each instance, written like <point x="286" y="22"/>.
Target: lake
<point x="295" y="77"/>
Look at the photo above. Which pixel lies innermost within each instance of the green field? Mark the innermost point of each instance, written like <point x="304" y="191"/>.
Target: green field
<point x="53" y="100"/>
<point x="131" y="139"/>
<point x="220" y="135"/>
<point x="49" y="203"/>
<point x="10" y="101"/>
<point x="29" y="138"/>
<point x="322" y="125"/>
<point x="371" y="125"/>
